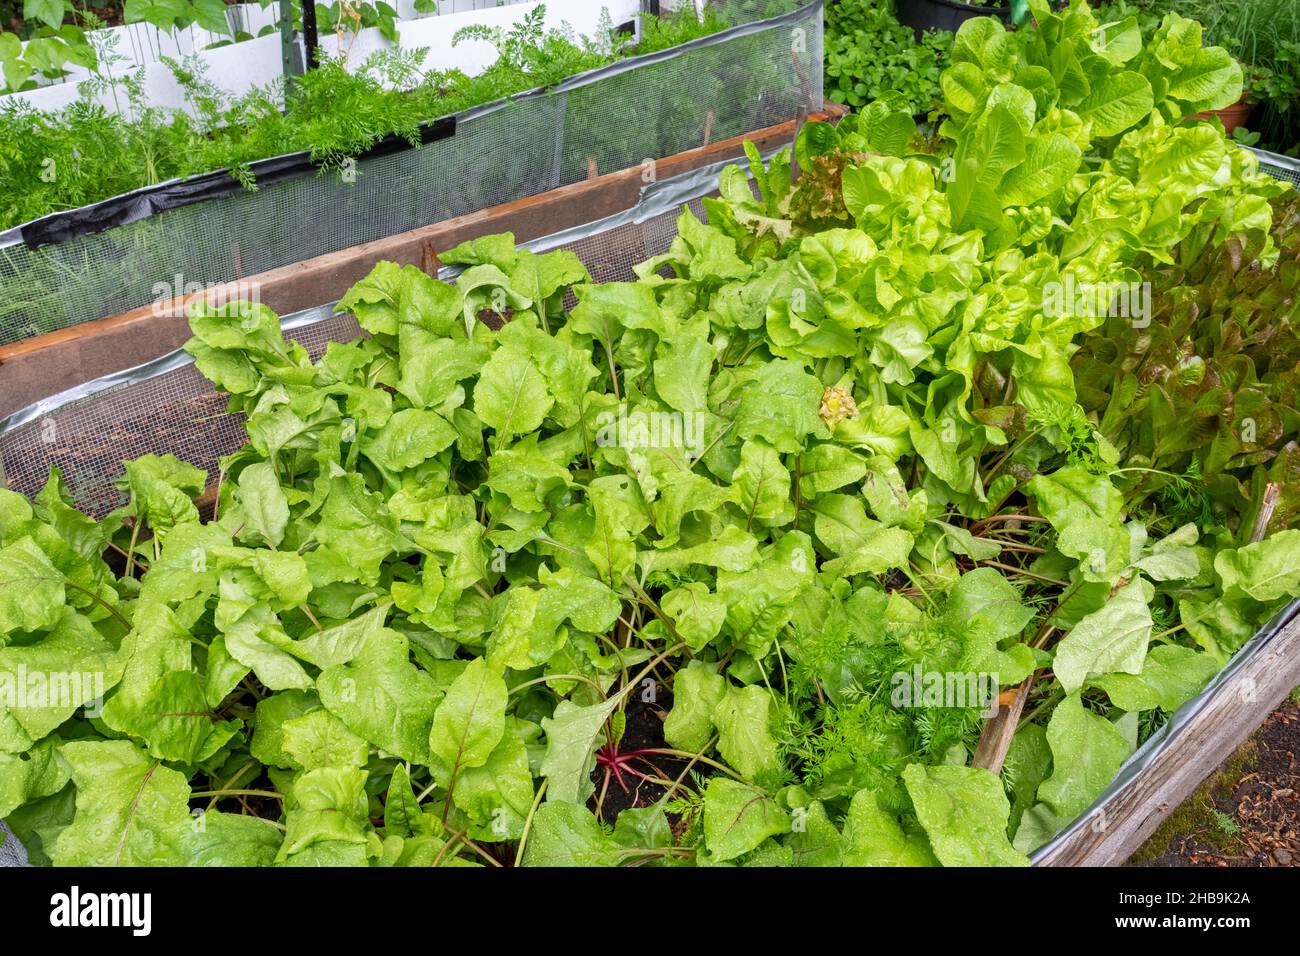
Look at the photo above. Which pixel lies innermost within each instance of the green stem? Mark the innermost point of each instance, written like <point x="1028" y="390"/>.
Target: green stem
<point x="237" y="774"/>
<point x="550" y="677"/>
<point x="650" y="666"/>
<point x="270" y="794"/>
<point x="528" y="822"/>
<point x="669" y="624"/>
<point x="698" y="758"/>
<point x="1028" y="574"/>
<point x="130" y="549"/>
<point x="695" y="758"/>
<point x="101" y="602"/>
<point x="613" y="369"/>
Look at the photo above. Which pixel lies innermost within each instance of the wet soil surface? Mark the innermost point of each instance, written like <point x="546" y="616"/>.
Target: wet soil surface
<point x="1248" y="814"/>
<point x="645" y="730"/>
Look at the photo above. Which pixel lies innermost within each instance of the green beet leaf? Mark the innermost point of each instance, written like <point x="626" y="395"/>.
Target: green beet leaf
<point x="964" y="812"/>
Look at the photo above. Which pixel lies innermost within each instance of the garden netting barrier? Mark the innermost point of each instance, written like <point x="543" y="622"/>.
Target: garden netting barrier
<point x="1279" y="167"/>
<point x="133" y="250"/>
<point x="167" y="407"/>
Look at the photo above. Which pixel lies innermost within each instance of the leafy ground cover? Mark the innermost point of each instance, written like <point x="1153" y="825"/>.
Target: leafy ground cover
<point x="726" y="564"/>
<point x="869" y="54"/>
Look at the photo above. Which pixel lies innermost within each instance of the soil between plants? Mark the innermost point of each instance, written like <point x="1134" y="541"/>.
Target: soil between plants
<point x="645" y="729"/>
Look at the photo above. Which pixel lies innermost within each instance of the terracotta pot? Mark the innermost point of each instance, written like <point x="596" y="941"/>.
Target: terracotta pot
<point x="1231" y="116"/>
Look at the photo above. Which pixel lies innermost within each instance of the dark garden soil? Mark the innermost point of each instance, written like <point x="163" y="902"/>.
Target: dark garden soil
<point x="1248" y="813"/>
<point x="645" y="729"/>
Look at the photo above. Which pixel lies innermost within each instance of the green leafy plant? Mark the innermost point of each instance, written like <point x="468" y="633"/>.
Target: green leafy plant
<point x="870" y="54"/>
<point x="1264" y="35"/>
<point x="1211" y="384"/>
<point x="45" y="45"/>
<point x="834" y="472"/>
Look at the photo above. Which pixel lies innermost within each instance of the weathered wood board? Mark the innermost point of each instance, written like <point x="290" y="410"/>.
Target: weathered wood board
<point x="1233" y="711"/>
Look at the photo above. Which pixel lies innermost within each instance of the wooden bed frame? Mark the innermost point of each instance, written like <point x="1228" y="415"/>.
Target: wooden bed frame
<point x="1234" y="711"/>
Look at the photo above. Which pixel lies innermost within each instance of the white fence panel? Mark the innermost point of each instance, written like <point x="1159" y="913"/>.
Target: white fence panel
<point x="238" y="67"/>
<point x="474" y="56"/>
<point x="357" y="46"/>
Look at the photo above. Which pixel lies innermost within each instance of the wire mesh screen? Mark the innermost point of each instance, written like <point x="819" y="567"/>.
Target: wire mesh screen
<point x="765" y="74"/>
<point x="176" y="411"/>
<point x="1279" y="167"/>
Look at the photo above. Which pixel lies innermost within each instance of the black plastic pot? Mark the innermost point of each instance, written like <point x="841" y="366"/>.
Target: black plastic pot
<point x="922" y="15"/>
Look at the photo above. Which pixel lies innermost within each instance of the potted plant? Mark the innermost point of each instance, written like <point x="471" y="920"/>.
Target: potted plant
<point x="922" y="15"/>
<point x="1257" y="87"/>
<point x="1264" y="36"/>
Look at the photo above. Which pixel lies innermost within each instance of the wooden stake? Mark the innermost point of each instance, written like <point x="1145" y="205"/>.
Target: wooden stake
<point x="1267" y="505"/>
<point x="995" y="741"/>
<point x="429" y="262"/>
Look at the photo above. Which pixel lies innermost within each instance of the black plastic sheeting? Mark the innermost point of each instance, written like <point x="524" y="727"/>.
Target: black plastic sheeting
<point x="143" y="203"/>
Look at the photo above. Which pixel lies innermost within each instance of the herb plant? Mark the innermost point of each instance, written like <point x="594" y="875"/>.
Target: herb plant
<point x="870" y="54"/>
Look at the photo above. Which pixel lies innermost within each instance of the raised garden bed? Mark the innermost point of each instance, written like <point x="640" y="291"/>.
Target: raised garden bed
<point x="111" y="257"/>
<point x="42" y="366"/>
<point x="840" y="440"/>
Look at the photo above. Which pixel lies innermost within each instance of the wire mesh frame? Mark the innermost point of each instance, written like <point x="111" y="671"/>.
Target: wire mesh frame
<point x="1279" y="167"/>
<point x="755" y="76"/>
<point x="175" y="410"/>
